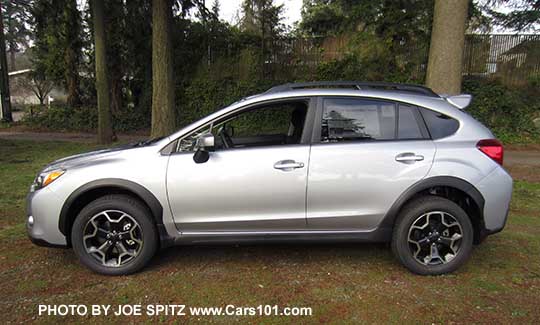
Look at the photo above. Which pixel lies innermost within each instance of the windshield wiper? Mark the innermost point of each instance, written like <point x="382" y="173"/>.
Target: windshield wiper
<point x="147" y="142"/>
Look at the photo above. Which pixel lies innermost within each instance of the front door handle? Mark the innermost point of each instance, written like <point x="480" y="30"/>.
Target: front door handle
<point x="409" y="157"/>
<point x="287" y="165"/>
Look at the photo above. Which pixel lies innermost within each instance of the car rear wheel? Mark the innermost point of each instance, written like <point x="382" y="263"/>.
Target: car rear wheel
<point x="114" y="235"/>
<point x="432" y="236"/>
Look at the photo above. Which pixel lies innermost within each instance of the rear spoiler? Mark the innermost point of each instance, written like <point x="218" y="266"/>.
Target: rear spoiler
<point x="459" y="101"/>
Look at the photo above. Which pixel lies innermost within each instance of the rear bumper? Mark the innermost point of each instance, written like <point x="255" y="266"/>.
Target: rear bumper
<point x="496" y="188"/>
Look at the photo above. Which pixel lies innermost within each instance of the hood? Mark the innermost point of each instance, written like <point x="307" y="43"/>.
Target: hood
<point x="85" y="158"/>
<point x="80" y="159"/>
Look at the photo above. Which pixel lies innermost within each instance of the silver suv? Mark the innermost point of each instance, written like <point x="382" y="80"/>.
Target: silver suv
<point x="337" y="161"/>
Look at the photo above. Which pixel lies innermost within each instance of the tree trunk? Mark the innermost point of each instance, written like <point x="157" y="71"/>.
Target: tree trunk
<point x="446" y="48"/>
<point x="105" y="132"/>
<point x="115" y="26"/>
<point x="163" y="110"/>
<point x="12" y="45"/>
<point x="116" y="92"/>
<point x="72" y="79"/>
<point x="5" y="103"/>
<point x="12" y="61"/>
<point x="71" y="55"/>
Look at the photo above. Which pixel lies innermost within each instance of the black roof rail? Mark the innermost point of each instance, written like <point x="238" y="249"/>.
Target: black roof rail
<point x="417" y="89"/>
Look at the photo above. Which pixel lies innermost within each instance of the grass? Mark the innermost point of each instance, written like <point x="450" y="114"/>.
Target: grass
<point x="353" y="282"/>
<point x="4" y="125"/>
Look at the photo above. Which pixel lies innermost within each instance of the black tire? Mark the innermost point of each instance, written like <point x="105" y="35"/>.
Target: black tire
<point x="137" y="211"/>
<point x="411" y="213"/>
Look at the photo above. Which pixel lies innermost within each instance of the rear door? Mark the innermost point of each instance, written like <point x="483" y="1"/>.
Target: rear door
<point x="365" y="153"/>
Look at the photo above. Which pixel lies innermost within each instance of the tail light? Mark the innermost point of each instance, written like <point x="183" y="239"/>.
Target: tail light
<point x="492" y="148"/>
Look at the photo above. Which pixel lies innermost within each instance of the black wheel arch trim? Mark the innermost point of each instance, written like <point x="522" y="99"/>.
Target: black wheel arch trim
<point x="426" y="183"/>
<point x="149" y="199"/>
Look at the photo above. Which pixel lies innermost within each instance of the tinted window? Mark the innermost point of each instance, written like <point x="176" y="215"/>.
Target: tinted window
<point x="273" y="119"/>
<point x="268" y="125"/>
<point x="439" y="125"/>
<point x="357" y="119"/>
<point x="408" y="127"/>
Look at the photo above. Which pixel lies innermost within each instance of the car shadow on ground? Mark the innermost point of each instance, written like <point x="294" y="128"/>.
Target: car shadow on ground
<point x="271" y="254"/>
<point x="305" y="256"/>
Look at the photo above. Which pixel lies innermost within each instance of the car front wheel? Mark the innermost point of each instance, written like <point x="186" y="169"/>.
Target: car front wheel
<point x="432" y="236"/>
<point x="114" y="235"/>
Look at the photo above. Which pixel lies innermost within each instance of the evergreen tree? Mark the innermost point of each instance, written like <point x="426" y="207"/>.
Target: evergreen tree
<point x="262" y="18"/>
<point x="15" y="14"/>
<point x="57" y="40"/>
<point x="71" y="40"/>
<point x="115" y="22"/>
<point x="216" y="7"/>
<point x="138" y="49"/>
<point x="525" y="14"/>
<point x="383" y="18"/>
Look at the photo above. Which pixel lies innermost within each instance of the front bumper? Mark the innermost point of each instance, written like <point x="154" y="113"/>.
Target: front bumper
<point x="43" y="206"/>
<point x="43" y="242"/>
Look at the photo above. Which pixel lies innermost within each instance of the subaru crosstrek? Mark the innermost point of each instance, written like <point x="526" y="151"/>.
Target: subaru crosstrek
<point x="323" y="161"/>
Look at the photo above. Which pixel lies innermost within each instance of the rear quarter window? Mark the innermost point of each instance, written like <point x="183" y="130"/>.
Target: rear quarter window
<point x="438" y="124"/>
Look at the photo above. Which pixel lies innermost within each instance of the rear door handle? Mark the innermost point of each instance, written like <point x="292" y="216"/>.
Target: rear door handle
<point x="288" y="165"/>
<point x="409" y="157"/>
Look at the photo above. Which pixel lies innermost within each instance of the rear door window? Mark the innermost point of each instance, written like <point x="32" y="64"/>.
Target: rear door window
<point x="350" y="119"/>
<point x="409" y="123"/>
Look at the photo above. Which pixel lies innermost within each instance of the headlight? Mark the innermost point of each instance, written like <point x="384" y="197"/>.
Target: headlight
<point x="44" y="179"/>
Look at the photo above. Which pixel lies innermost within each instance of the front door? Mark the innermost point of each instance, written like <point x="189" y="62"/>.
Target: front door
<point x="254" y="180"/>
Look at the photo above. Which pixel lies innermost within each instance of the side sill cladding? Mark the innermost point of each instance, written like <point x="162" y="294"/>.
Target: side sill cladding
<point x="116" y="183"/>
<point x="457" y="183"/>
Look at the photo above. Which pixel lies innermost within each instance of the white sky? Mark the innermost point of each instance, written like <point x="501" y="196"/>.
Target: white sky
<point x="230" y="8"/>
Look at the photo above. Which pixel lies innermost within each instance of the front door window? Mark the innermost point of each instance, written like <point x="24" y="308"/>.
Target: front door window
<point x="271" y="124"/>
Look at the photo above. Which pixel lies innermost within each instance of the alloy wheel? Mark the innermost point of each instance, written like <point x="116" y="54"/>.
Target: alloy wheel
<point x="113" y="238"/>
<point x="435" y="238"/>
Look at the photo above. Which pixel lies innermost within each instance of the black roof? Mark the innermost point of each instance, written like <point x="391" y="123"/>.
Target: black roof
<point x="416" y="89"/>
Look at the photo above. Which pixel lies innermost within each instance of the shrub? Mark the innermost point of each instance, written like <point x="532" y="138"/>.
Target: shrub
<point x="219" y="85"/>
<point x="507" y="112"/>
<point x="63" y="118"/>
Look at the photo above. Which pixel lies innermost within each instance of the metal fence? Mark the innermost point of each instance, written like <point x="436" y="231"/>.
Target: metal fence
<point x="513" y="59"/>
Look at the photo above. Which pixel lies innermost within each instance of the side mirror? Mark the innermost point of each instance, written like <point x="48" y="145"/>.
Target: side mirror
<point x="201" y="156"/>
<point x="205" y="143"/>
